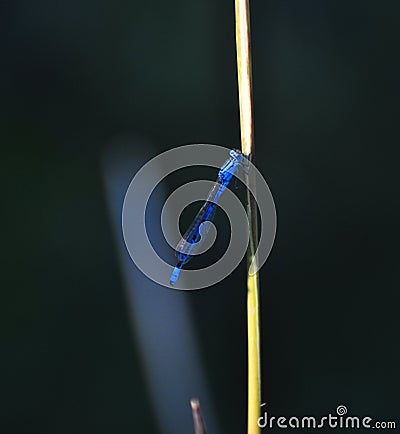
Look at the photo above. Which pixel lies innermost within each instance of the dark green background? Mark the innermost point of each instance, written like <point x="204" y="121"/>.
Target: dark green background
<point x="76" y="74"/>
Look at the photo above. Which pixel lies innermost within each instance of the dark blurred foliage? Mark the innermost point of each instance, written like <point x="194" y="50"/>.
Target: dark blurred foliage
<point x="326" y="92"/>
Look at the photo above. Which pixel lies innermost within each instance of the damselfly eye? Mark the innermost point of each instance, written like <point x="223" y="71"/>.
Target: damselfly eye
<point x="235" y="153"/>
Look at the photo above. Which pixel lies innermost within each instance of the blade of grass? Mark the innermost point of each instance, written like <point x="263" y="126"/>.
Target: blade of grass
<point x="243" y="52"/>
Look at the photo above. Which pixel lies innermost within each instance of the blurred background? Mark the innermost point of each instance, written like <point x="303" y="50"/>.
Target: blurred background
<point x="88" y="85"/>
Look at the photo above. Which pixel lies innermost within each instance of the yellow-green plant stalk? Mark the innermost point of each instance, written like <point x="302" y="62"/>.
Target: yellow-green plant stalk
<point x="243" y="52"/>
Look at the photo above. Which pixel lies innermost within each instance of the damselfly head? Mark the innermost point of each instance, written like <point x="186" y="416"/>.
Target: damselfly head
<point x="236" y="154"/>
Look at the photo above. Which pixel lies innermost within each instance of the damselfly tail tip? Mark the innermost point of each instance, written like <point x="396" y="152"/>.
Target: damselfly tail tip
<point x="175" y="275"/>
